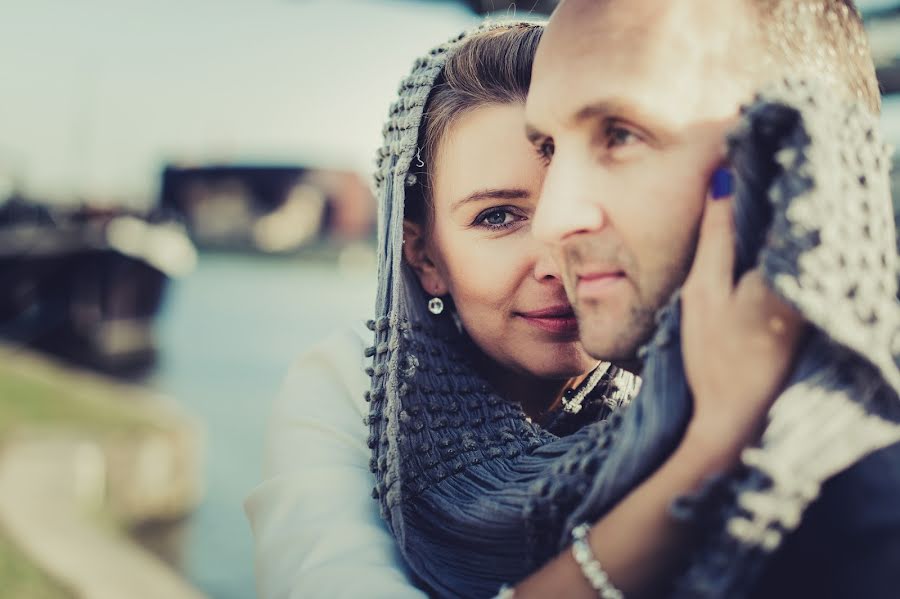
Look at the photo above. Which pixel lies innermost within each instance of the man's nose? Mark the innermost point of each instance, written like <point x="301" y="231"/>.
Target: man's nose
<point x="546" y="267"/>
<point x="569" y="203"/>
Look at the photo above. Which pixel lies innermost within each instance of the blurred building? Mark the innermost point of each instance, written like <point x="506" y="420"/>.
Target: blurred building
<point x="270" y="209"/>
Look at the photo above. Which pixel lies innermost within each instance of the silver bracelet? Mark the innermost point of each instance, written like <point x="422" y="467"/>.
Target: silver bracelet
<point x="506" y="592"/>
<point x="590" y="567"/>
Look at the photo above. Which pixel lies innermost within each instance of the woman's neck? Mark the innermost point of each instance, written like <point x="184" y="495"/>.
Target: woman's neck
<point x="535" y="395"/>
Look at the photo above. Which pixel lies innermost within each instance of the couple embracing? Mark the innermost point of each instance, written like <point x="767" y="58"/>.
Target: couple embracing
<point x="636" y="329"/>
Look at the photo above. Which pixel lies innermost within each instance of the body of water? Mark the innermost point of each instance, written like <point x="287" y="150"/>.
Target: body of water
<point x="228" y="334"/>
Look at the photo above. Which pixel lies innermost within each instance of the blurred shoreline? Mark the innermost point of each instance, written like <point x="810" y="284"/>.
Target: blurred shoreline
<point x="84" y="459"/>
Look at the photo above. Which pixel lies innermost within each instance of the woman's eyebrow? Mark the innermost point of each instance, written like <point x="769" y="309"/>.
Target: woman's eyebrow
<point x="492" y="194"/>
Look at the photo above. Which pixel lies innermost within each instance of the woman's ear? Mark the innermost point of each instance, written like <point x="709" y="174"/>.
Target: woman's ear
<point x="416" y="252"/>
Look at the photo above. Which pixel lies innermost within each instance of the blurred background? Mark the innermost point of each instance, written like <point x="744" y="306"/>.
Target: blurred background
<point x="184" y="208"/>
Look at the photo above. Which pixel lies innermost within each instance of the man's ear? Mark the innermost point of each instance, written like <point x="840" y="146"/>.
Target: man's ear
<point x="417" y="254"/>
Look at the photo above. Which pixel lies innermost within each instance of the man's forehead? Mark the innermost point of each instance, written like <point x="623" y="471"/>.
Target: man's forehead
<point x="593" y="53"/>
<point x="578" y="25"/>
<point x="629" y="50"/>
<point x="637" y="15"/>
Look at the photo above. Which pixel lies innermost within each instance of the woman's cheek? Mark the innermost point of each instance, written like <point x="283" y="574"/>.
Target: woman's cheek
<point x="488" y="273"/>
<point x="485" y="271"/>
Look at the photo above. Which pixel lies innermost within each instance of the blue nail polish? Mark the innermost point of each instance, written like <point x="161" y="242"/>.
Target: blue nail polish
<point x="722" y="183"/>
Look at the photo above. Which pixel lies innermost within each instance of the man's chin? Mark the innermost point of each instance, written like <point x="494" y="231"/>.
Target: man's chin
<point x="611" y="340"/>
<point x="604" y="349"/>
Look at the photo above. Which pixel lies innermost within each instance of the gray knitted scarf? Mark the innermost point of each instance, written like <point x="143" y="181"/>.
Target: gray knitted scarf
<point x="477" y="495"/>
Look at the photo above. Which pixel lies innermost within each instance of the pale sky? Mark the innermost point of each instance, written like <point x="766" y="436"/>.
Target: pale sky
<point x="98" y="94"/>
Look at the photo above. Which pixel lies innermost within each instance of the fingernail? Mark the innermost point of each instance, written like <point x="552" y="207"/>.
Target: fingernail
<point x="722" y="183"/>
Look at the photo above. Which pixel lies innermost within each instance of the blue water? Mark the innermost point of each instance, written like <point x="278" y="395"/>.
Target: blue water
<point x="228" y="333"/>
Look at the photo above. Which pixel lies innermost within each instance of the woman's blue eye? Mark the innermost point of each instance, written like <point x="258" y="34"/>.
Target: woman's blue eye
<point x="496" y="218"/>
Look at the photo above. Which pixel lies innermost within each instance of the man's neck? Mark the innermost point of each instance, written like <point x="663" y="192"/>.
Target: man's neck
<point x="632" y="365"/>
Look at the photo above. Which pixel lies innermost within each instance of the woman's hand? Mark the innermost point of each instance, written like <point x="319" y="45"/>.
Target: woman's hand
<point x="738" y="339"/>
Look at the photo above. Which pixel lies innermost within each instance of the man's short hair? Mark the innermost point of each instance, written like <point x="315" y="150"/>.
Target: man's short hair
<point x="822" y="37"/>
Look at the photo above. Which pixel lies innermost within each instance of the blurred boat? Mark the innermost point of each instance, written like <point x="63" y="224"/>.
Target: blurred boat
<point x="271" y="209"/>
<point x="86" y="284"/>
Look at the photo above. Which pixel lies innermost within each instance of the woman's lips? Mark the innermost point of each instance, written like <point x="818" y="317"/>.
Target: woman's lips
<point x="556" y="320"/>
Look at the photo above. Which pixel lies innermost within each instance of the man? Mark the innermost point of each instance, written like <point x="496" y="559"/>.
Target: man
<point x="651" y="88"/>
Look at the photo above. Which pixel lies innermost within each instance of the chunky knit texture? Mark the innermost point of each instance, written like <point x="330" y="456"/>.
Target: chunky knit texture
<point x="826" y="243"/>
<point x="477" y="495"/>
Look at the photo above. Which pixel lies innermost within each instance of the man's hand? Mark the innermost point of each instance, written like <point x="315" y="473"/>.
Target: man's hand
<point x="738" y="338"/>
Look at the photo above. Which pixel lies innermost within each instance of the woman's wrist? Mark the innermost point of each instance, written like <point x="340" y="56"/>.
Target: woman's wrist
<point x="713" y="446"/>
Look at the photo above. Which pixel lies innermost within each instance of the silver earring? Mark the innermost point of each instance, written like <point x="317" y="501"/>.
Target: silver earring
<point x="435" y="305"/>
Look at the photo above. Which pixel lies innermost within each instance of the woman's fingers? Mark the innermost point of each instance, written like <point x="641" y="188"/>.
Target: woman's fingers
<point x="765" y="310"/>
<point x="712" y="272"/>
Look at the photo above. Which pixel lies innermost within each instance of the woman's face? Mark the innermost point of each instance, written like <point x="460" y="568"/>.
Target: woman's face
<point x="478" y="247"/>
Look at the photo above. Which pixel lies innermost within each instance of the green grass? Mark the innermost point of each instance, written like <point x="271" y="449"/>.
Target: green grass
<point x="20" y="578"/>
<point x="35" y="398"/>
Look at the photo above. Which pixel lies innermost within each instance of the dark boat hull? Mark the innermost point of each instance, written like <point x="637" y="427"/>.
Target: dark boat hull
<point x="94" y="308"/>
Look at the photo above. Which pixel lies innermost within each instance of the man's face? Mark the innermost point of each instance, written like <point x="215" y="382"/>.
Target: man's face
<point x="629" y="104"/>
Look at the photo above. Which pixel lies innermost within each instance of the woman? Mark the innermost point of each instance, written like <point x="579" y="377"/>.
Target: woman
<point x="467" y="243"/>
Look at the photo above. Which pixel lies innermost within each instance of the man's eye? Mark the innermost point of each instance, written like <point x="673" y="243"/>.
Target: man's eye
<point x="617" y="136"/>
<point x="545" y="150"/>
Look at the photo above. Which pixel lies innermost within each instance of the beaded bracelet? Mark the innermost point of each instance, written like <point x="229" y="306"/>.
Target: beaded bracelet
<point x="590" y="567"/>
